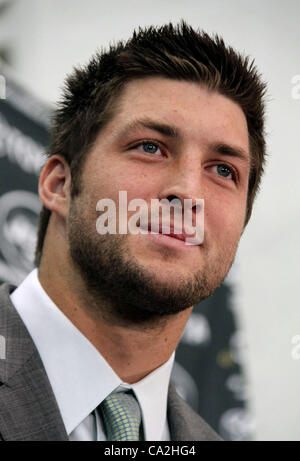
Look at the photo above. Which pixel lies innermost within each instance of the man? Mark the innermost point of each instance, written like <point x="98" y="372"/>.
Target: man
<point x="91" y="333"/>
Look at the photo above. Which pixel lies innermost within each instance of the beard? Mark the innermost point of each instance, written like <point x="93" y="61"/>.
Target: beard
<point x="124" y="291"/>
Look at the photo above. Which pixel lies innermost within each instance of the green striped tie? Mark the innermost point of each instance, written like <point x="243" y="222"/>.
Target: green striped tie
<point x="122" y="416"/>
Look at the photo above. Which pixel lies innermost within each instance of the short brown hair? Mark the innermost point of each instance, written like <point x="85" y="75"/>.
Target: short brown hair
<point x="177" y="52"/>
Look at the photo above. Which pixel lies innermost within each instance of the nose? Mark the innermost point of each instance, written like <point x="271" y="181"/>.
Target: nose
<point x="183" y="181"/>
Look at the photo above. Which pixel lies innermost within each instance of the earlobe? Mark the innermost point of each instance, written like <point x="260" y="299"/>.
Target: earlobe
<point x="54" y="185"/>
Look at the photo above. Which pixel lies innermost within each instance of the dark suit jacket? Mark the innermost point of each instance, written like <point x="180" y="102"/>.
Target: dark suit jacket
<point x="28" y="408"/>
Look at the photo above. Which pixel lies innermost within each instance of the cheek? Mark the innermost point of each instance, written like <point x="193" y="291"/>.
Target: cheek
<point x="224" y="219"/>
<point x="133" y="178"/>
<point x="112" y="179"/>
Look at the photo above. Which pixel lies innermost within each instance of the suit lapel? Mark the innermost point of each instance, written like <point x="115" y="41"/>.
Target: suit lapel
<point x="184" y="423"/>
<point x="28" y="408"/>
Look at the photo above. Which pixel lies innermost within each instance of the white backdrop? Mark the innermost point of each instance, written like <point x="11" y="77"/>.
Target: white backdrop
<point x="44" y="39"/>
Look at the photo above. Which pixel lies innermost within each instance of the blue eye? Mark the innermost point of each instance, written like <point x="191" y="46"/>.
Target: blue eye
<point x="225" y="171"/>
<point x="150" y="147"/>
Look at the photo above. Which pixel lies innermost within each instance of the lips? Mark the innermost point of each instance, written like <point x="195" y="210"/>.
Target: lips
<point x="176" y="236"/>
<point x="179" y="236"/>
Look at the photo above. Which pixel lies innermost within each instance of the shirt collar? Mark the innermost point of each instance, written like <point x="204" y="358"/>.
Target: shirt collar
<point x="154" y="409"/>
<point x="80" y="377"/>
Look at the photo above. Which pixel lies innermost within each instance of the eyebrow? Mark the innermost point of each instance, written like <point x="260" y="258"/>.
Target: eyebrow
<point x="231" y="151"/>
<point x="160" y="127"/>
<point x="173" y="132"/>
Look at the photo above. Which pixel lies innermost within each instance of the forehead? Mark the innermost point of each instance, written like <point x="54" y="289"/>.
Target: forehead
<point x="196" y="111"/>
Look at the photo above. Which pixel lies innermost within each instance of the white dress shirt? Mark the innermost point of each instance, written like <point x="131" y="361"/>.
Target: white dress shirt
<point x="80" y="377"/>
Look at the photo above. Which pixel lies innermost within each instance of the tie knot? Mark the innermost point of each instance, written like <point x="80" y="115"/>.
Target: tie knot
<point x="122" y="416"/>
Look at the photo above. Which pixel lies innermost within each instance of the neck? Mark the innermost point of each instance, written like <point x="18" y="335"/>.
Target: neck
<point x="132" y="351"/>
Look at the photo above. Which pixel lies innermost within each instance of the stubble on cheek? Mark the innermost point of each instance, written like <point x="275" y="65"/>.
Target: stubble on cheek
<point x="121" y="281"/>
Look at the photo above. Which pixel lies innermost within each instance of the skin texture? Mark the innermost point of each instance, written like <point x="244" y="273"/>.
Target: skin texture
<point x="131" y="295"/>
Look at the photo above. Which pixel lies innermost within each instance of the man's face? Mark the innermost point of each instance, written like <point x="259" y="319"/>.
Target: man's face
<point x="168" y="138"/>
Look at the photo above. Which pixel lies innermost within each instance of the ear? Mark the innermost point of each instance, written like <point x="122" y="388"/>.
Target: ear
<point x="55" y="185"/>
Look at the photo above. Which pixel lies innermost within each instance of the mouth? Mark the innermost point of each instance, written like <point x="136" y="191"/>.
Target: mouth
<point x="175" y="234"/>
<point x="175" y="238"/>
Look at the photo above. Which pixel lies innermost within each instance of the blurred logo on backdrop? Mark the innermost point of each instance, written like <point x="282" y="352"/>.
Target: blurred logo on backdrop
<point x="24" y="135"/>
<point x="19" y="211"/>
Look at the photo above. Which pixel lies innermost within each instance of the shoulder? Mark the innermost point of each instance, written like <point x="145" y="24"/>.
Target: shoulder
<point x="7" y="310"/>
<point x="8" y="313"/>
<point x="17" y="344"/>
